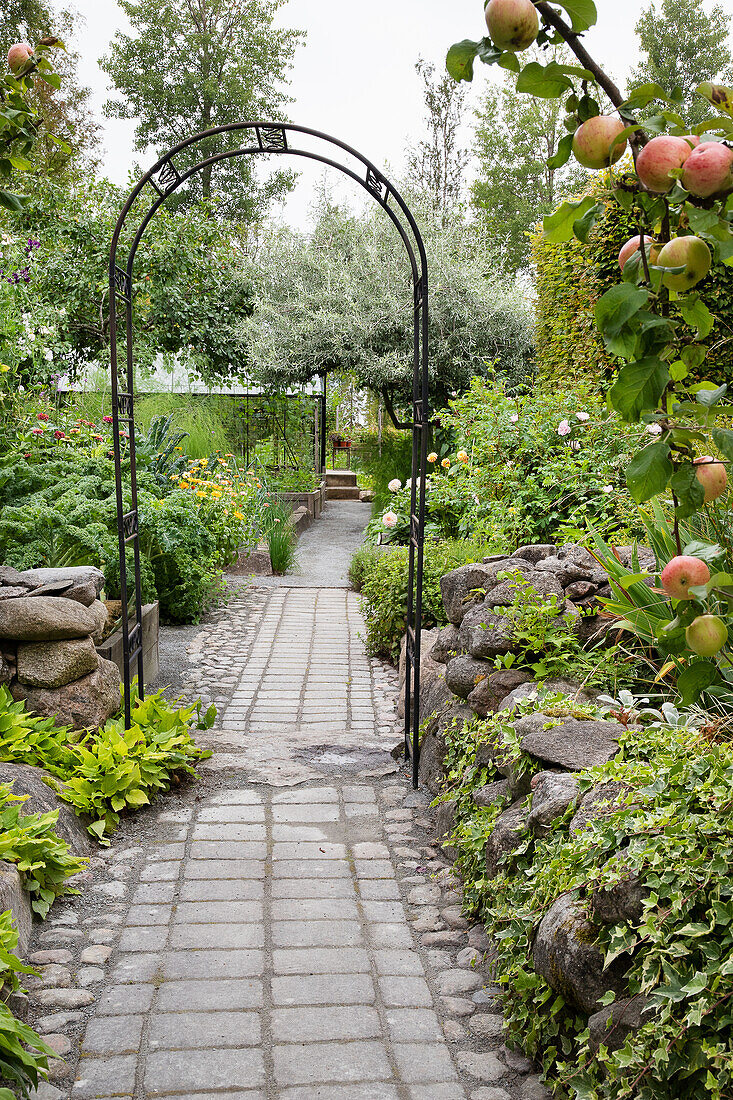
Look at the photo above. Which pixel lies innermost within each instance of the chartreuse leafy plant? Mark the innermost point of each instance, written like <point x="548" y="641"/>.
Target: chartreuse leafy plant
<point x="105" y="773"/>
<point x="674" y="823"/>
<point x="23" y="1053"/>
<point x="679" y="193"/>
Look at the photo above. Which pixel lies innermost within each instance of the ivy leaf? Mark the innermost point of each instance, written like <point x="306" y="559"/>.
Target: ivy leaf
<point x="618" y="305"/>
<point x="694" y="679"/>
<point x="583" y="13"/>
<point x="543" y="81"/>
<point x="562" y="156"/>
<point x="558" y="226"/>
<point x="649" y="471"/>
<point x="639" y="387"/>
<point x="688" y="490"/>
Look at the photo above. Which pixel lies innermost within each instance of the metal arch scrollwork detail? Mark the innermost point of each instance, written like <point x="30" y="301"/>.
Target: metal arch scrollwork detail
<point x="129" y="524"/>
<point x="122" y="283"/>
<point x="376" y="185"/>
<point x="271" y="138"/>
<point x="419" y="293"/>
<point x="124" y="404"/>
<point x="166" y="179"/>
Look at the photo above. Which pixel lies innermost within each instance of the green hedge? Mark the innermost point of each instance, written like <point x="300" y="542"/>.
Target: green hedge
<point x="571" y="277"/>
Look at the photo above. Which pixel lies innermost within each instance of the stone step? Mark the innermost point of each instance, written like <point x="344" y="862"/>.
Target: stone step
<point x="340" y="477"/>
<point x="343" y="492"/>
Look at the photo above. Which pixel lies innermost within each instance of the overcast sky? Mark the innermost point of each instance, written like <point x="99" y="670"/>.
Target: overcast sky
<point x="355" y="78"/>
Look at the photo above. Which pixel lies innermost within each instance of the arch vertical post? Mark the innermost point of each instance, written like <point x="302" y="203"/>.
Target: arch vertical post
<point x="160" y="181"/>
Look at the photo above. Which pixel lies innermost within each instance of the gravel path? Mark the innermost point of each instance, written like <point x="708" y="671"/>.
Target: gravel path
<point x="285" y="928"/>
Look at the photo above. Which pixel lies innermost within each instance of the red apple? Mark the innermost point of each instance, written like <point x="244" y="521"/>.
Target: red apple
<point x="594" y="144"/>
<point x="706" y="635"/>
<point x="683" y="573"/>
<point x="513" y="24"/>
<point x="712" y="476"/>
<point x="708" y="170"/>
<point x="658" y="158"/>
<point x="633" y="245"/>
<point x="18" y="55"/>
<point x="688" y="252"/>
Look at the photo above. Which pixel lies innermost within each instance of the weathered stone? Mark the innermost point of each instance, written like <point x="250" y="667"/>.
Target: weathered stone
<point x="429" y="894"/>
<point x="458" y="1006"/>
<point x="508" y="834"/>
<point x="545" y="585"/>
<point x="13" y="578"/>
<point x="14" y="898"/>
<point x="572" y="743"/>
<point x="565" y="954"/>
<point x="7" y="671"/>
<point x="491" y="793"/>
<point x="85" y="703"/>
<point x="51" y="976"/>
<point x="54" y="664"/>
<point x="468" y="959"/>
<point x="489" y="692"/>
<point x="433" y="747"/>
<point x="486" y="1026"/>
<point x="554" y="792"/>
<point x="44" y="618"/>
<point x="445" y="818"/>
<point x="601" y="801"/>
<point x="486" y="633"/>
<point x="431" y="673"/>
<point x="96" y="955"/>
<point x="56" y="1021"/>
<point x="43" y="958"/>
<point x="463" y="673"/>
<point x="101" y="619"/>
<point x="443" y="939"/>
<point x="580" y="590"/>
<point x="13" y="593"/>
<point x="458" y="981"/>
<point x="624" y="901"/>
<point x="463" y="587"/>
<point x="60" y="1044"/>
<point x="28" y="781"/>
<point x="612" y="1025"/>
<point x="85" y="581"/>
<point x="447" y="644"/>
<point x="483" y="1067"/>
<point x="453" y="917"/>
<point x="533" y="1089"/>
<point x="490" y="1092"/>
<point x="535" y="551"/>
<point x="64" y="998"/>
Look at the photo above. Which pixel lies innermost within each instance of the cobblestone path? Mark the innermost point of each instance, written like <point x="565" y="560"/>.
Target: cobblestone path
<point x="283" y="929"/>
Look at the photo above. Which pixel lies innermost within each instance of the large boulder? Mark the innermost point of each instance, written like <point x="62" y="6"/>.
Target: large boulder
<point x="44" y="619"/>
<point x="84" y="704"/>
<point x="509" y="834"/>
<point x="571" y="743"/>
<point x="535" y="551"/>
<point x="463" y="673"/>
<point x="13" y="578"/>
<point x="53" y="664"/>
<point x="101" y="619"/>
<point x="82" y="583"/>
<point x="14" y="898"/>
<point x="489" y="692"/>
<point x="545" y="586"/>
<point x="433" y="746"/>
<point x="554" y="792"/>
<point x="601" y="801"/>
<point x="565" y="954"/>
<point x="447" y="644"/>
<point x="31" y="782"/>
<point x="611" y="1026"/>
<point x="486" y="633"/>
<point x="445" y="819"/>
<point x="463" y="587"/>
<point x="7" y="671"/>
<point x="429" y="670"/>
<point x="491" y="793"/>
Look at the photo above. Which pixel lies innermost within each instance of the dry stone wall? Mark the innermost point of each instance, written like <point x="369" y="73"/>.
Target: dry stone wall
<point x="50" y="623"/>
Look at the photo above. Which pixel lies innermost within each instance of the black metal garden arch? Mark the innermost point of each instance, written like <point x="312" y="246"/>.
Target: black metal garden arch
<point x="161" y="181"/>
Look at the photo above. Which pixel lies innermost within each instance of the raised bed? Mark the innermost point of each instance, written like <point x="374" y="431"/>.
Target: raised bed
<point x="111" y="648"/>
<point x="312" y="502"/>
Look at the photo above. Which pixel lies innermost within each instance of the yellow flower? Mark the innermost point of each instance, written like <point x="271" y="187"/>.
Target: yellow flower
<point x="432" y="457"/>
<point x="239" y="515"/>
<point x="200" y="494"/>
<point x="462" y="456"/>
<point x="183" y="485"/>
<point x="445" y="463"/>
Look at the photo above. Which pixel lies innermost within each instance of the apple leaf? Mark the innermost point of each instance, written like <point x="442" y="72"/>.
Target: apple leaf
<point x="644" y="95"/>
<point x="639" y="387"/>
<point x="11" y="202"/>
<point x="460" y="59"/>
<point x="723" y="440"/>
<point x="720" y="97"/>
<point x="649" y="471"/>
<point x="707" y="395"/>
<point x="618" y="305"/>
<point x="558" y="226"/>
<point x="688" y="490"/>
<point x="696" y="314"/>
<point x="564" y="149"/>
<point x="583" y="225"/>
<point x="583" y="13"/>
<point x="543" y="81"/>
<point x="695" y="678"/>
